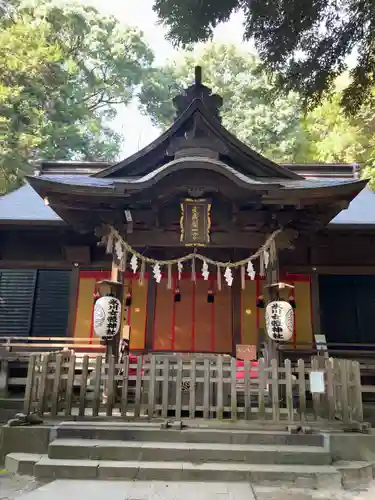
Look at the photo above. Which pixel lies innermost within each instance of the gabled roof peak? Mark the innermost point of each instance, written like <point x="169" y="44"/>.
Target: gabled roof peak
<point x="198" y="91"/>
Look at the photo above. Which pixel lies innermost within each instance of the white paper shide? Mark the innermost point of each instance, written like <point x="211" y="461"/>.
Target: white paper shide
<point x="107" y="316"/>
<point x="279" y="320"/>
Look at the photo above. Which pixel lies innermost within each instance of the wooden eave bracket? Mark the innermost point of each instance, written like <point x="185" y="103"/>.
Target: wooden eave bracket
<point x="110" y="283"/>
<point x="280" y="286"/>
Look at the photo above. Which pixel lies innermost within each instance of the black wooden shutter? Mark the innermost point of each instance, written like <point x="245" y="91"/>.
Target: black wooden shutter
<point x="347" y="305"/>
<point x="51" y="306"/>
<point x="16" y="301"/>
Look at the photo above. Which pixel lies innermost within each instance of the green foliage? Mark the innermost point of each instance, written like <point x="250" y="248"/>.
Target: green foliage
<point x="306" y="42"/>
<point x="266" y="120"/>
<point x="63" y="70"/>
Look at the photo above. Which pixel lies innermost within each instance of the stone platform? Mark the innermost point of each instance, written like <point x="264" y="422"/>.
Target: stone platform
<point x="124" y="451"/>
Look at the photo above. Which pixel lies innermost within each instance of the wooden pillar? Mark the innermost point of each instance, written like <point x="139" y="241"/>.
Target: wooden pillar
<point x="117" y="289"/>
<point x="73" y="298"/>
<point x="236" y="310"/>
<point x="150" y="313"/>
<point x="315" y="303"/>
<point x="272" y="277"/>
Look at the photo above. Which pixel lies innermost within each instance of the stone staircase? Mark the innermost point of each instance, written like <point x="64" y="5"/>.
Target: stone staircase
<point x="147" y="452"/>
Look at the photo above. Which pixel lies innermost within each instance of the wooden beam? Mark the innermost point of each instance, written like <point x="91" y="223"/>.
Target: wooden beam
<point x="36" y="264"/>
<point x="172" y="239"/>
<point x="337" y="270"/>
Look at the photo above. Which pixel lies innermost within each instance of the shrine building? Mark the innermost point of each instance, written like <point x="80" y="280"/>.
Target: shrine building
<point x="197" y="226"/>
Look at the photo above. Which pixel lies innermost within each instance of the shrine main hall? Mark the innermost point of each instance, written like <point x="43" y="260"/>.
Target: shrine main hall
<point x="193" y="223"/>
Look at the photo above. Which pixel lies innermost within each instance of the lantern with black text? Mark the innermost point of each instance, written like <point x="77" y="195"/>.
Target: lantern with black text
<point x="107" y="316"/>
<point x="279" y="320"/>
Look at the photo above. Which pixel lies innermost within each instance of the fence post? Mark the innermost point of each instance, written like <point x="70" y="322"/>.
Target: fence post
<point x="233" y="385"/>
<point x="56" y="385"/>
<point x="344" y="391"/>
<point x="110" y="385"/>
<point x="330" y="389"/>
<point x="165" y="388"/>
<point x="247" y="388"/>
<point x="83" y="387"/>
<point x="357" y="391"/>
<point x="289" y="389"/>
<point x="206" y="389"/>
<point x="151" y="387"/>
<point x="125" y="386"/>
<point x="193" y="382"/>
<point x="302" y="389"/>
<point x="316" y="397"/>
<point x="179" y="387"/>
<point x="43" y="396"/>
<point x="275" y="390"/>
<point x="70" y="385"/>
<point x="219" y="388"/>
<point x="29" y="389"/>
<point x="262" y="378"/>
<point x="4" y="377"/>
<point x="97" y="386"/>
<point x="138" y="387"/>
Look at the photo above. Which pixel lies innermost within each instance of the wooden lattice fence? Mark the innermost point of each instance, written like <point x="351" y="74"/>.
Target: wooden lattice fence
<point x="64" y="384"/>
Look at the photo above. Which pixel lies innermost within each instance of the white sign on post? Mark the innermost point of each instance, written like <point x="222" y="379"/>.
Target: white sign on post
<point x="321" y="342"/>
<point x="317" y="383"/>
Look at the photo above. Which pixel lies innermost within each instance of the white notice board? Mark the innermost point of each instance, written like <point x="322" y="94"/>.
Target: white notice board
<point x="317" y="383"/>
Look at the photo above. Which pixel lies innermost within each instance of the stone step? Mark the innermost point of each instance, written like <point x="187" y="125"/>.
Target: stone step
<point x="300" y="476"/>
<point x="85" y="449"/>
<point x="129" y="432"/>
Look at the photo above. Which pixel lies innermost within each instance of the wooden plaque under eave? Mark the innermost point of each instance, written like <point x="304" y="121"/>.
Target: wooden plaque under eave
<point x="195" y="222"/>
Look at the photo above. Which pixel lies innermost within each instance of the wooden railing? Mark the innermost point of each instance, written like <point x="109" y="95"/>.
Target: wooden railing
<point x="191" y="386"/>
<point x="15" y="353"/>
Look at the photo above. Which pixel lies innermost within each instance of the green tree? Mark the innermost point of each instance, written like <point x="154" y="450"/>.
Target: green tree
<point x="333" y="137"/>
<point x="306" y="42"/>
<point x="266" y="120"/>
<point x="63" y="71"/>
<point x="273" y="123"/>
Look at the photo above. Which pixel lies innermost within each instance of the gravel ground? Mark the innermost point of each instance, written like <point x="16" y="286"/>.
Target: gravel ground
<point x="12" y="486"/>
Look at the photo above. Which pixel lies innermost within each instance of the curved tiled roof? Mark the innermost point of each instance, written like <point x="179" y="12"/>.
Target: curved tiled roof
<point x="25" y="205"/>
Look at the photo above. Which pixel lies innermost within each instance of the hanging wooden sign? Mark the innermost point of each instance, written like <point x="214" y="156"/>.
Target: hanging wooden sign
<point x="195" y="222"/>
<point x="246" y="352"/>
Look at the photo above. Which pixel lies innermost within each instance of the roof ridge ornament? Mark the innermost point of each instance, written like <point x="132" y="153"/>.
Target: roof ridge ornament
<point x="198" y="91"/>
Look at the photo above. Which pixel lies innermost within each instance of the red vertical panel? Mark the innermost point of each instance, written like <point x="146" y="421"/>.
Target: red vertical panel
<point x="184" y="317"/>
<point x="202" y="317"/>
<point x="223" y="320"/>
<point x="163" y="317"/>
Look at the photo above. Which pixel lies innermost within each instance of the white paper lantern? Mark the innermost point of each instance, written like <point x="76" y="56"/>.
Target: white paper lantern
<point x="280" y="320"/>
<point x="107" y="316"/>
